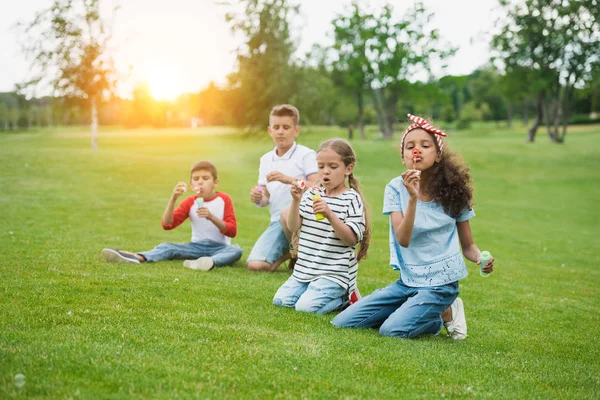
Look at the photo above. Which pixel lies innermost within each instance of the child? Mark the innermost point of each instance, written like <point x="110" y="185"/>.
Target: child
<point x="213" y="225"/>
<point x="326" y="269"/>
<point x="286" y="163"/>
<point x="429" y="209"/>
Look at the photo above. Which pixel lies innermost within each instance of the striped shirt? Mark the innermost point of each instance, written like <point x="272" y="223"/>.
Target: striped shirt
<point x="321" y="254"/>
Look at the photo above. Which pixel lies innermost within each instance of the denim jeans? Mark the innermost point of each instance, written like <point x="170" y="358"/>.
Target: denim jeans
<point x="319" y="296"/>
<point x="271" y="245"/>
<point x="400" y="310"/>
<point x="221" y="254"/>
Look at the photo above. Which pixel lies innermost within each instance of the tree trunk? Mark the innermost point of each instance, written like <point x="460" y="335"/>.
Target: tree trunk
<point x="565" y="115"/>
<point x="378" y="109"/>
<point x="350" y="131"/>
<point x="361" y="114"/>
<point x="390" y="116"/>
<point x="547" y="116"/>
<point x="94" y="124"/>
<point x="509" y="115"/>
<point x="538" y="118"/>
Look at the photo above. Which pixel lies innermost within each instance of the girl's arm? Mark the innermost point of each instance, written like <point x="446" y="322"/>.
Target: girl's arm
<point x="343" y="231"/>
<point x="470" y="251"/>
<point x="403" y="223"/>
<point x="294" y="221"/>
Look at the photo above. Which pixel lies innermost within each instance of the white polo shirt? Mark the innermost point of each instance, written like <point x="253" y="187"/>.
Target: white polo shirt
<point x="299" y="162"/>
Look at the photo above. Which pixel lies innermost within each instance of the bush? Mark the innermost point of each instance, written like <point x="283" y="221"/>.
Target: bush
<point x="583" y="119"/>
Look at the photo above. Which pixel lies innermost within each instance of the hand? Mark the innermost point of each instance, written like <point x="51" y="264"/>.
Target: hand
<point x="320" y="206"/>
<point x="297" y="191"/>
<point x="179" y="189"/>
<point x="256" y="194"/>
<point x="203" y="212"/>
<point x="279" y="177"/>
<point x="487" y="268"/>
<point x="412" y="181"/>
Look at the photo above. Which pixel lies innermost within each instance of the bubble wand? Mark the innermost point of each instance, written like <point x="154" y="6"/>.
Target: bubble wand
<point x="416" y="153"/>
<point x="199" y="200"/>
<point x="302" y="185"/>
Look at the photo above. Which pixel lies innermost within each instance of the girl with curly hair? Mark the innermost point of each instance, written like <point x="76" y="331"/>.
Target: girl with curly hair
<point x="430" y="206"/>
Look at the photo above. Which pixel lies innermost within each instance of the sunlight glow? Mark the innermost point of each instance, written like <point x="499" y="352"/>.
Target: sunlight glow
<point x="164" y="83"/>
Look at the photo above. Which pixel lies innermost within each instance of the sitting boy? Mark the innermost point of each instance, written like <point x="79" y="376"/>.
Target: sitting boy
<point x="213" y="225"/>
<point x="280" y="167"/>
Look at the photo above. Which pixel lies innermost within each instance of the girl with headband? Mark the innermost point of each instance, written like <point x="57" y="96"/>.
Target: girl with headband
<point x="430" y="207"/>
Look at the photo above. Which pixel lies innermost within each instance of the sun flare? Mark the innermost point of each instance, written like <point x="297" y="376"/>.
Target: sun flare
<point x="163" y="84"/>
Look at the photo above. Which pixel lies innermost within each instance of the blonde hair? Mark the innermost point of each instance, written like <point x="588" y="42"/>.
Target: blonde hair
<point x="285" y="110"/>
<point x="345" y="151"/>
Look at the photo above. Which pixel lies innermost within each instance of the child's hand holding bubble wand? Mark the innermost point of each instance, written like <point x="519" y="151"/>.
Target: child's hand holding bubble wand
<point x="300" y="187"/>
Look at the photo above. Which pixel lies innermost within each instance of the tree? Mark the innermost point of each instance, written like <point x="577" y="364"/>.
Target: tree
<point x="352" y="69"/>
<point x="68" y="45"/>
<point x="263" y="61"/>
<point x="314" y="91"/>
<point x="399" y="49"/>
<point x="558" y="43"/>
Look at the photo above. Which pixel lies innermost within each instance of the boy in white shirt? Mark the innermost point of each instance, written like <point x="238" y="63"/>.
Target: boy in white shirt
<point x="285" y="164"/>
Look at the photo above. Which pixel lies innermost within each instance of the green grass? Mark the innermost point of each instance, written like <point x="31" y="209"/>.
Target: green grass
<point x="77" y="327"/>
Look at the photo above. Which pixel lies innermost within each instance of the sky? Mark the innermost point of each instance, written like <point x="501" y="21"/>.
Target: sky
<point x="179" y="46"/>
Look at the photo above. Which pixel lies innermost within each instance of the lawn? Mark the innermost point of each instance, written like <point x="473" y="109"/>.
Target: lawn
<point x="77" y="327"/>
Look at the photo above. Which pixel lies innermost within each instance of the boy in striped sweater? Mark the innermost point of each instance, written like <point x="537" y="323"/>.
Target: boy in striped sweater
<point x="331" y="226"/>
<point x="213" y="225"/>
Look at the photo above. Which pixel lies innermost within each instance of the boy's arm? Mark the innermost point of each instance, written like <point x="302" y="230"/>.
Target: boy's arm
<point x="172" y="219"/>
<point x="227" y="226"/>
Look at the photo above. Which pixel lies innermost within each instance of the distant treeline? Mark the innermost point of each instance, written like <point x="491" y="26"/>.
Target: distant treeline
<point x="452" y="99"/>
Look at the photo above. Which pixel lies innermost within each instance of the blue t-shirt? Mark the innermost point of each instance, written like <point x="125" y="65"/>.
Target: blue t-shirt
<point x="433" y="257"/>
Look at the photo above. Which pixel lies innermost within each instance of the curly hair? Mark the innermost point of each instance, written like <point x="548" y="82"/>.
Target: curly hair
<point x="450" y="184"/>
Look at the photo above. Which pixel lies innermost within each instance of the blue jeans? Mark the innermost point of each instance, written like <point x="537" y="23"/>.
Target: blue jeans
<point x="319" y="296"/>
<point x="221" y="254"/>
<point x="271" y="245"/>
<point x="400" y="310"/>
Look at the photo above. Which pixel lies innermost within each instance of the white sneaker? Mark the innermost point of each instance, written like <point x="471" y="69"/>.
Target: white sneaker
<point x="201" y="264"/>
<point x="457" y="328"/>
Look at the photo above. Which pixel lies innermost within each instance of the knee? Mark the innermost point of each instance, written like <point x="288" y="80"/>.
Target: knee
<point x="341" y="321"/>
<point x="238" y="253"/>
<point x="283" y="301"/>
<point x="391" y="330"/>
<point x="258" y="266"/>
<point x="306" y="306"/>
